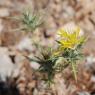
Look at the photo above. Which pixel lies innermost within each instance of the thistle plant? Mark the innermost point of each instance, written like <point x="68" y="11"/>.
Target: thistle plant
<point x="47" y="63"/>
<point x="70" y="44"/>
<point x="29" y="21"/>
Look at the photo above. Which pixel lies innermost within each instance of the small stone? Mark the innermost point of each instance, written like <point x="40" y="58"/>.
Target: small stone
<point x="4" y="12"/>
<point x="25" y="44"/>
<point x="83" y="93"/>
<point x="70" y="11"/>
<point x="18" y="59"/>
<point x="34" y="65"/>
<point x="93" y="79"/>
<point x="31" y="84"/>
<point x="6" y="66"/>
<point x="90" y="59"/>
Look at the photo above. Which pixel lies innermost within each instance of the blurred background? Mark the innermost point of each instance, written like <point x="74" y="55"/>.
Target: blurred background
<point x="15" y="70"/>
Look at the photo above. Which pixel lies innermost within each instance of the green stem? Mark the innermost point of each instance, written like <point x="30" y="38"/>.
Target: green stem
<point x="74" y="70"/>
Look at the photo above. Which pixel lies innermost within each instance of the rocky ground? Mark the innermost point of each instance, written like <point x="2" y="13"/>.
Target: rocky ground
<point x="16" y="74"/>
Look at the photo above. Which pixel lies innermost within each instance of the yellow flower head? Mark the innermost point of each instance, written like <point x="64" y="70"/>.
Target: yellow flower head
<point x="70" y="38"/>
